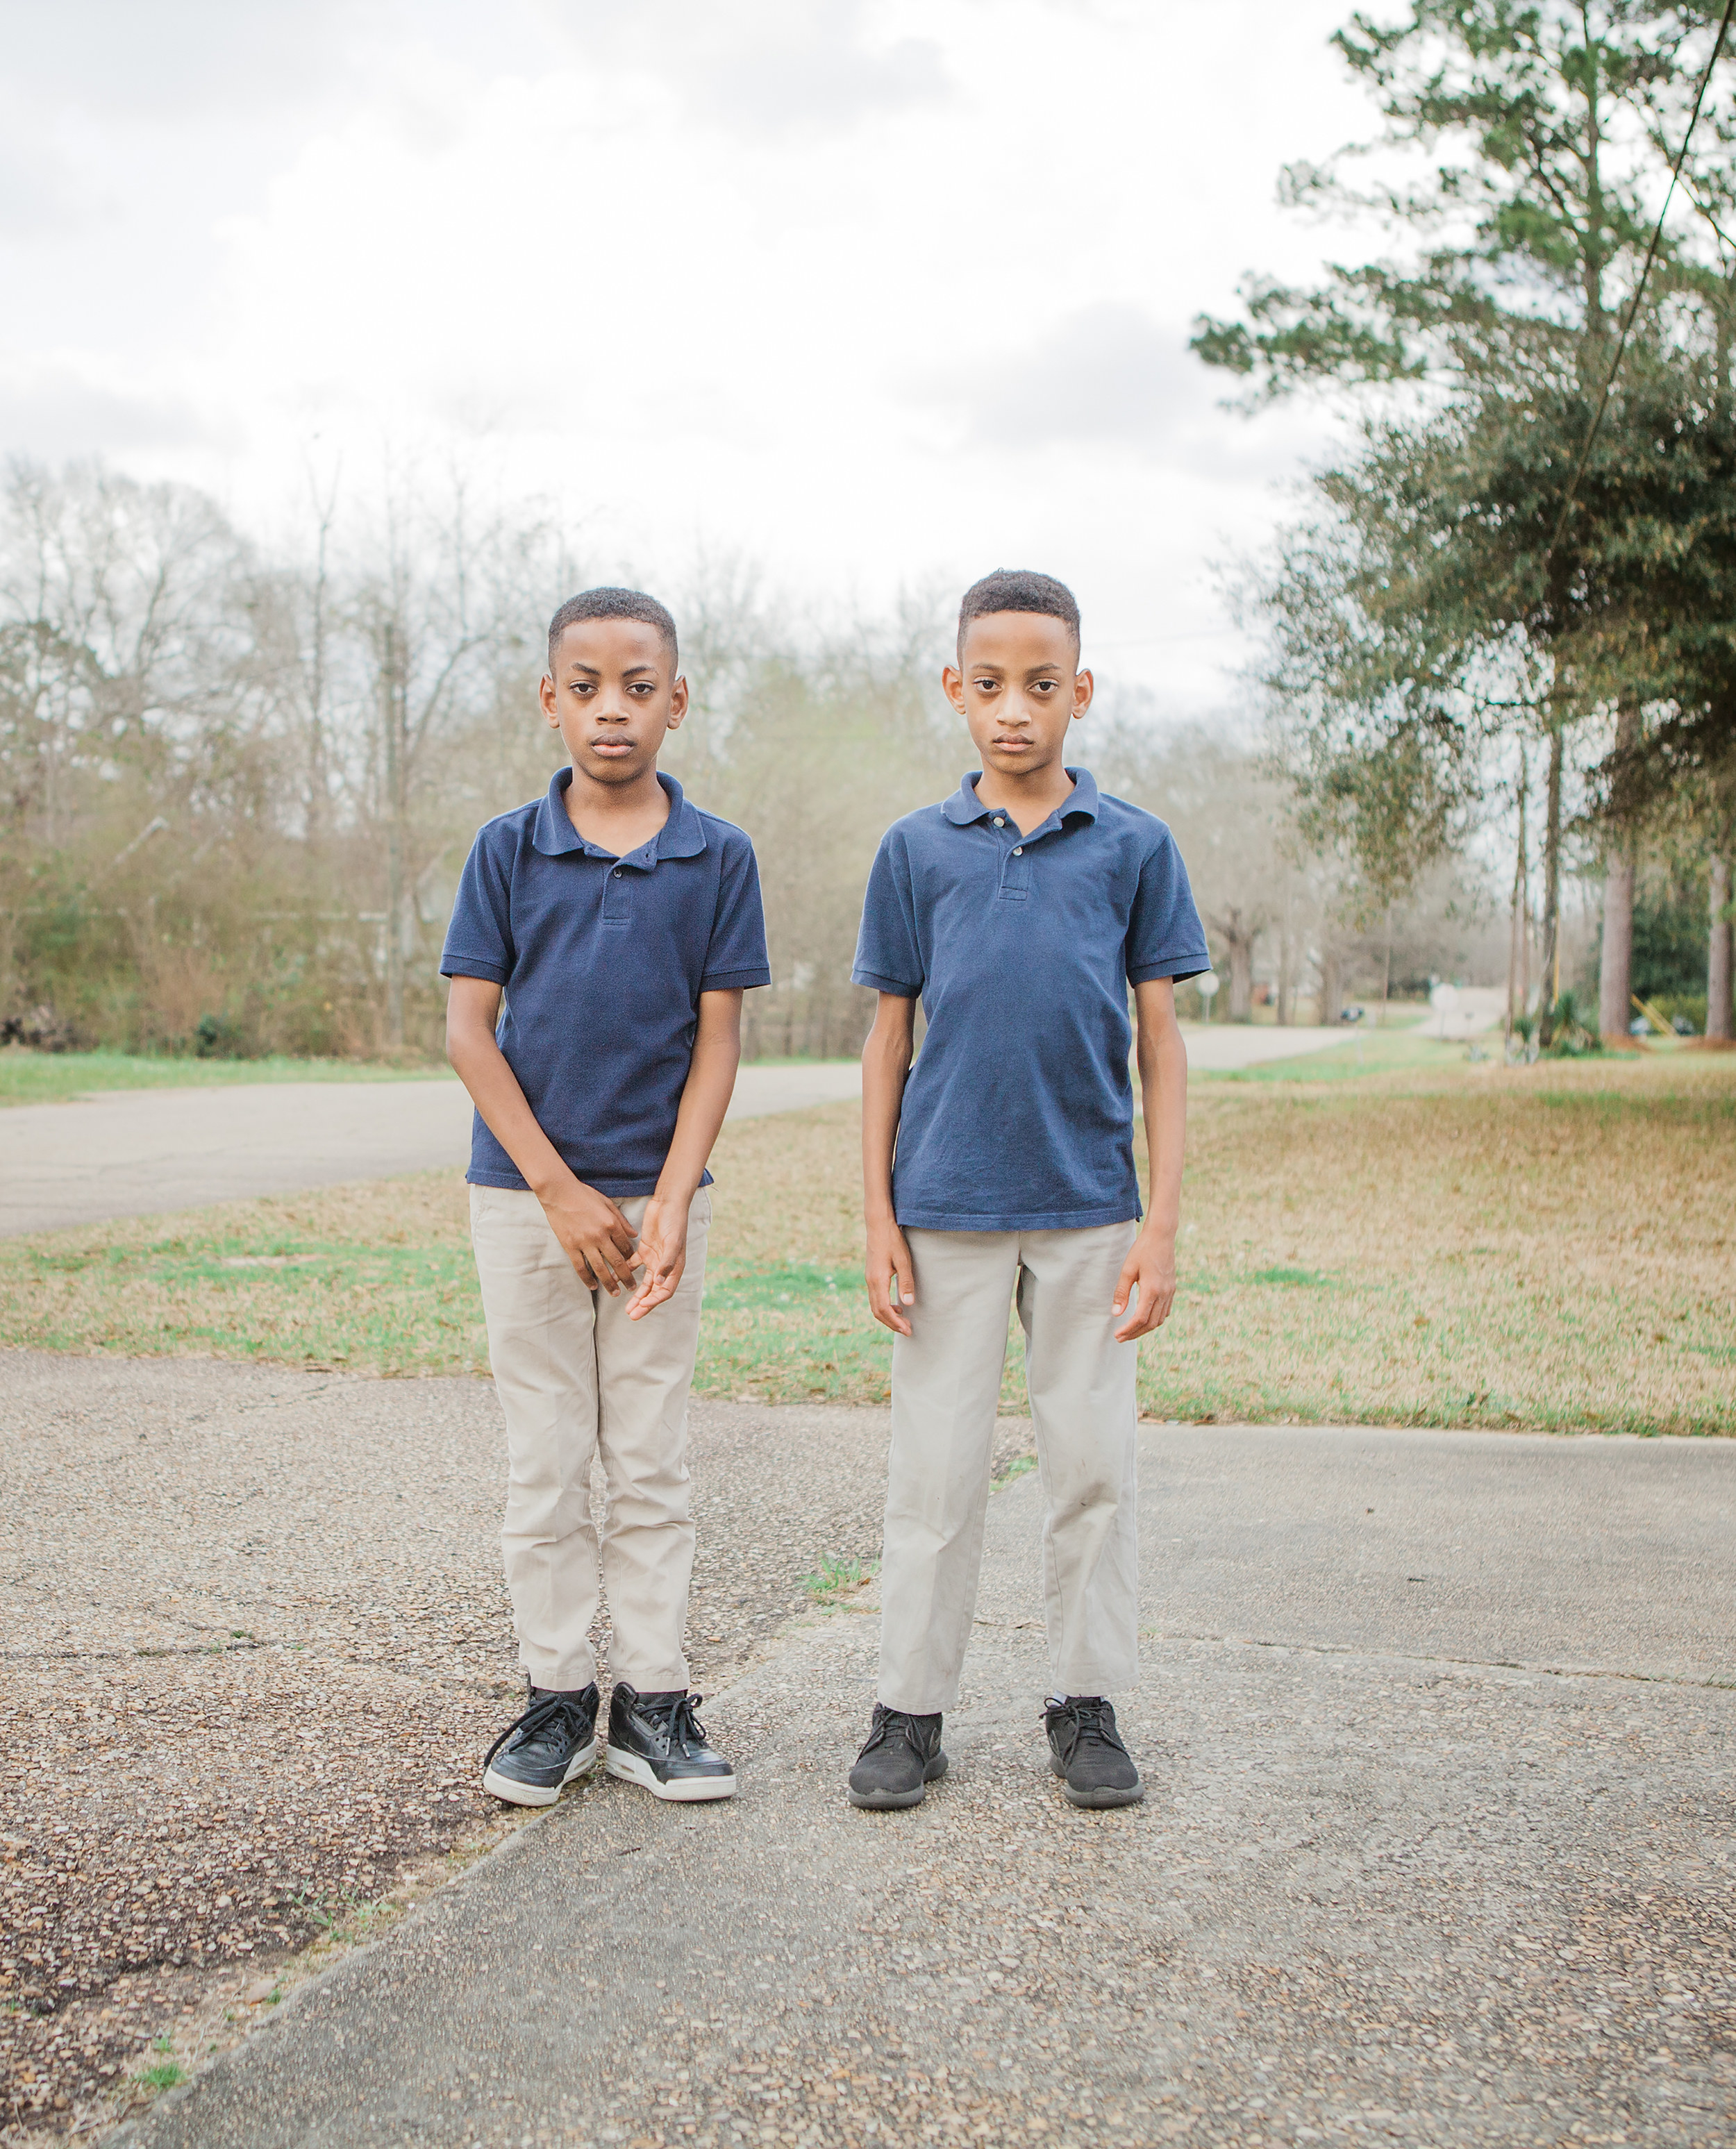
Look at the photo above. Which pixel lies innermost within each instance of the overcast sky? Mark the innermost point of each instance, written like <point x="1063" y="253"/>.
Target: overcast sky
<point x="873" y="294"/>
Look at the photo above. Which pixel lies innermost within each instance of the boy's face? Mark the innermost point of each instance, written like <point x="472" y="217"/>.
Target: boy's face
<point x="613" y="695"/>
<point x="1018" y="687"/>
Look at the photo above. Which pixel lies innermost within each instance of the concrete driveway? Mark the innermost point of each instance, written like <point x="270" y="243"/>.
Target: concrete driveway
<point x="137" y="1152"/>
<point x="1436" y="1729"/>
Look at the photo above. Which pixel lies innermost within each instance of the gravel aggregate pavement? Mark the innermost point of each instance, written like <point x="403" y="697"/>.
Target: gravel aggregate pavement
<point x="1448" y="1865"/>
<point x="254" y="1641"/>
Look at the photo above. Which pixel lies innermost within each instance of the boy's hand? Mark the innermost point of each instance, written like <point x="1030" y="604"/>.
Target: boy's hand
<point x="1150" y="1272"/>
<point x="594" y="1234"/>
<point x="663" y="1251"/>
<point x="888" y="1256"/>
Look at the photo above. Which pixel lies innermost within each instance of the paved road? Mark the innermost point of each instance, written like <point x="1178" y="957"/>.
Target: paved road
<point x="1438" y="1729"/>
<point x="134" y="1152"/>
<point x="1220" y="1047"/>
<point x="138" y="1152"/>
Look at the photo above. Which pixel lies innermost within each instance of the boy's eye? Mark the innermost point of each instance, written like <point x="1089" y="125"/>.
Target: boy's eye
<point x="987" y="685"/>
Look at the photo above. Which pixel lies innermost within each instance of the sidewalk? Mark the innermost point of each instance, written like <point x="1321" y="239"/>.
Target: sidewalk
<point x="1438" y="1729"/>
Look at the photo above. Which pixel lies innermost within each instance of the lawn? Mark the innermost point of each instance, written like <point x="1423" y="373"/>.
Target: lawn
<point x="1551" y="1248"/>
<point x="28" y="1077"/>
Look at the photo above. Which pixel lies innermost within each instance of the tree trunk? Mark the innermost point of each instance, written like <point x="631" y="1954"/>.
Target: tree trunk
<point x="1331" y="982"/>
<point x="1615" y="975"/>
<point x="1286" y="973"/>
<point x="1551" y="950"/>
<point x="1719" y="1012"/>
<point x="1615" y="978"/>
<point x="392" y="714"/>
<point x="1241" y="977"/>
<point x="1517" y="938"/>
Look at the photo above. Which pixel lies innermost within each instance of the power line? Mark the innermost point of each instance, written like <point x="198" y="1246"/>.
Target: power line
<point x="1621" y="349"/>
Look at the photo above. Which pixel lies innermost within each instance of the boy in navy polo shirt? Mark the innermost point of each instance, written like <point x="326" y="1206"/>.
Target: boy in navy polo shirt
<point x="1019" y="912"/>
<point x="622" y="927"/>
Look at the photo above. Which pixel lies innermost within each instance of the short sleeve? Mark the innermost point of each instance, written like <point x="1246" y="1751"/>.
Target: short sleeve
<point x="1164" y="937"/>
<point x="479" y="940"/>
<point x="888" y="956"/>
<point x="735" y="956"/>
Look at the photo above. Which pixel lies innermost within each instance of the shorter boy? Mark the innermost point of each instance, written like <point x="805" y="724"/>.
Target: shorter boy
<point x="1020" y="911"/>
<point x="622" y="927"/>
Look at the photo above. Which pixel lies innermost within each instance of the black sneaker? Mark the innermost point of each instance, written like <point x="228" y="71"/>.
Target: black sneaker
<point x="1086" y="1753"/>
<point x="551" y="1743"/>
<point x="900" y="1758"/>
<point x="656" y="1739"/>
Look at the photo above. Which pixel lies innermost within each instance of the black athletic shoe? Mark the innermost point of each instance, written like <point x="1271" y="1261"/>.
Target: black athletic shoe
<point x="1086" y="1753"/>
<point x="900" y="1758"/>
<point x="656" y="1739"/>
<point x="551" y="1743"/>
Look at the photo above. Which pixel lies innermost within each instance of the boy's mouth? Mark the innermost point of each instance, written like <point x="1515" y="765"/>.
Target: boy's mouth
<point x="614" y="748"/>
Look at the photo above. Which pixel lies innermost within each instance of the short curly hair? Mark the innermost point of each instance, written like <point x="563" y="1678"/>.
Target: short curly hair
<point x="1019" y="588"/>
<point x="610" y="603"/>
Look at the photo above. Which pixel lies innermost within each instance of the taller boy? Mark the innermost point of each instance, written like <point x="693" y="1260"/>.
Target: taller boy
<point x="1020" y="912"/>
<point x="623" y="926"/>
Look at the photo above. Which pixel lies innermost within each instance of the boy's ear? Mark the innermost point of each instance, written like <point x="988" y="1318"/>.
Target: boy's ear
<point x="952" y="684"/>
<point x="1084" y="687"/>
<point x="551" y="707"/>
<point x="677" y="702"/>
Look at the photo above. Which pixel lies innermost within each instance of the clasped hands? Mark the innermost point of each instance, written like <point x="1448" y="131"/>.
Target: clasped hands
<point x="603" y="1247"/>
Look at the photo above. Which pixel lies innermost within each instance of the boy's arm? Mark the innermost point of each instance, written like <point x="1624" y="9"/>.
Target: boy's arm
<point x="598" y="1239"/>
<point x="1150" y="1269"/>
<point x="885" y="1066"/>
<point x="705" y="1099"/>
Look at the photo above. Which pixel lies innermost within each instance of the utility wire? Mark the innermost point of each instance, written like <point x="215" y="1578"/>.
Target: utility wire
<point x="1639" y="289"/>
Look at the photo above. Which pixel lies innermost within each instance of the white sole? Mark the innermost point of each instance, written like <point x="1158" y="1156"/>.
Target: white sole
<point x="537" y="1795"/>
<point x="685" y="1790"/>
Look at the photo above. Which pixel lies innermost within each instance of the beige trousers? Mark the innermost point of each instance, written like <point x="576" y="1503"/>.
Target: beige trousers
<point x="574" y="1376"/>
<point x="945" y="1390"/>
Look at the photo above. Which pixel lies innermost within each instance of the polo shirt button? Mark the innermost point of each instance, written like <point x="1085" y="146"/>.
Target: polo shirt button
<point x="998" y="822"/>
<point x="618" y="872"/>
<point x="1018" y="850"/>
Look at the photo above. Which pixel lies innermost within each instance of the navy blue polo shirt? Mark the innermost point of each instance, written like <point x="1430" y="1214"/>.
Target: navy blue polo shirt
<point x="603" y="960"/>
<point x="1017" y="1114"/>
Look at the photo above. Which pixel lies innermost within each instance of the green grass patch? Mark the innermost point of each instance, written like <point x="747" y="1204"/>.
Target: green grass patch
<point x="1547" y="1248"/>
<point x="835" y="1578"/>
<point x="1375" y="1052"/>
<point x="45" y="1078"/>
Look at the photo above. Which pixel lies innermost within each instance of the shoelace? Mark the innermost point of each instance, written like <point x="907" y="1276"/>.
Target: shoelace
<point x="539" y="1713"/>
<point x="1082" y="1720"/>
<point x="886" y="1723"/>
<point x="679" y="1722"/>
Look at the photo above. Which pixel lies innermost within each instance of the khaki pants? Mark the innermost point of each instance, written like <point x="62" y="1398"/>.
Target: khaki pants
<point x="574" y="1376"/>
<point x="945" y="1389"/>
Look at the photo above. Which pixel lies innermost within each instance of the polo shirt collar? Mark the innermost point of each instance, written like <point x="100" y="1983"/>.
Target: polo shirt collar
<point x="964" y="807"/>
<point x="681" y="836"/>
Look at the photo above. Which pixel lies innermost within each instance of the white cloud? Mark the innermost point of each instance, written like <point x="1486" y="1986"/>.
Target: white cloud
<point x="867" y="289"/>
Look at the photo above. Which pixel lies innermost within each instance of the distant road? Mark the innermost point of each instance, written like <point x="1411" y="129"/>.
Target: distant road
<point x="137" y="1152"/>
<point x="1220" y="1047"/>
<point x="140" y="1152"/>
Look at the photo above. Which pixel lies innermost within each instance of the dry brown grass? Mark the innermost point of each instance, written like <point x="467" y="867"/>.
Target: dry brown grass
<point x="1548" y="1247"/>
